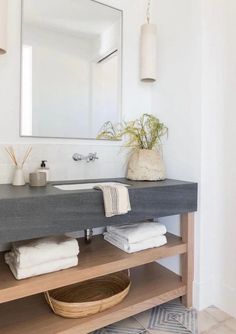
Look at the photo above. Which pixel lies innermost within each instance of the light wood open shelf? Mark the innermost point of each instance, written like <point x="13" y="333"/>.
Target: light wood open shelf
<point x="152" y="285"/>
<point x="23" y="308"/>
<point x="96" y="259"/>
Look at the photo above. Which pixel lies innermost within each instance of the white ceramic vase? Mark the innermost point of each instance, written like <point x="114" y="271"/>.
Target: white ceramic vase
<point x="146" y="165"/>
<point x="18" y="177"/>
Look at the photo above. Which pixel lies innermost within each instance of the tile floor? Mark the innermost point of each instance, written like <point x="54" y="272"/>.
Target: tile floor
<point x="210" y="321"/>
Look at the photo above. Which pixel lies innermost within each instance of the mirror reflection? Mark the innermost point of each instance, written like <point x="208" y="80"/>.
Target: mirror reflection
<point x="71" y="68"/>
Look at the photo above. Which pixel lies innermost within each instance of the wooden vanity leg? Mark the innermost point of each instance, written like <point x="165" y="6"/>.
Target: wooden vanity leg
<point x="187" y="232"/>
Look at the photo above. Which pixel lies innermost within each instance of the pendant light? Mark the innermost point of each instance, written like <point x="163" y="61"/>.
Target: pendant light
<point x="3" y="24"/>
<point x="148" y="49"/>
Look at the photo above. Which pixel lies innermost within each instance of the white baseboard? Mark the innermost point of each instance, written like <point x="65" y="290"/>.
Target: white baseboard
<point x="204" y="294"/>
<point x="226" y="299"/>
<point x="214" y="292"/>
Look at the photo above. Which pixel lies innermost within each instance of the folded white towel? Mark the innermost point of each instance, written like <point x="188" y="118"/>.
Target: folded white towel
<point x="44" y="268"/>
<point x="135" y="247"/>
<point x="116" y="199"/>
<point x="137" y="232"/>
<point x="39" y="251"/>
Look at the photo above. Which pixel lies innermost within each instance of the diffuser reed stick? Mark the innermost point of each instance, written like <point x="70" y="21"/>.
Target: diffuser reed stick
<point x="27" y="153"/>
<point x="11" y="155"/>
<point x="10" y="151"/>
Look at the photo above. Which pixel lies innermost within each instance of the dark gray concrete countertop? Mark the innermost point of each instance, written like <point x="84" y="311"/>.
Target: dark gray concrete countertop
<point x="7" y="191"/>
<point x="27" y="212"/>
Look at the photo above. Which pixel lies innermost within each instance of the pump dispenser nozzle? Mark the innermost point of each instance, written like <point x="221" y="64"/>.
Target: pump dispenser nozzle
<point x="43" y="164"/>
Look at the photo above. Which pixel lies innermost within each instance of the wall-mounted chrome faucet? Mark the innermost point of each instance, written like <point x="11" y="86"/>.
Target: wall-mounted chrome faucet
<point x="91" y="157"/>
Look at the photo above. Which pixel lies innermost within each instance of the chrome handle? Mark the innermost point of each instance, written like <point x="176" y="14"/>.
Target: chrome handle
<point x="77" y="157"/>
<point x="90" y="158"/>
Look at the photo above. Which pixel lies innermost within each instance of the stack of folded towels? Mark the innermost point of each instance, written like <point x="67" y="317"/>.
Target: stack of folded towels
<point x="136" y="237"/>
<point x="41" y="256"/>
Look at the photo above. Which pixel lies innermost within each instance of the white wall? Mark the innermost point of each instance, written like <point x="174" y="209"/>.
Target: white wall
<point x="176" y="98"/>
<point x="227" y="294"/>
<point x="211" y="193"/>
<point x="195" y="96"/>
<point x="219" y="159"/>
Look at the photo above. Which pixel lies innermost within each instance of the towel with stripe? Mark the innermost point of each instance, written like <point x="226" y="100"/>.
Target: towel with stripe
<point x="116" y="199"/>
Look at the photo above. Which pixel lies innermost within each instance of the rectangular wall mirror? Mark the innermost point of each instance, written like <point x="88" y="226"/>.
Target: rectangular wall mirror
<point x="71" y="68"/>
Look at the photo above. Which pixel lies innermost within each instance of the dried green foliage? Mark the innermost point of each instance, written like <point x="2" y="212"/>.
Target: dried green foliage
<point x="110" y="132"/>
<point x="142" y="133"/>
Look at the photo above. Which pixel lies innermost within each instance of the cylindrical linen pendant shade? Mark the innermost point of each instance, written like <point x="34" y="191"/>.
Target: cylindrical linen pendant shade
<point x="3" y="24"/>
<point x="148" y="56"/>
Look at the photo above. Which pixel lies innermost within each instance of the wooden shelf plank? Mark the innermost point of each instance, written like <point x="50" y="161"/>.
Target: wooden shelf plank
<point x="96" y="259"/>
<point x="152" y="285"/>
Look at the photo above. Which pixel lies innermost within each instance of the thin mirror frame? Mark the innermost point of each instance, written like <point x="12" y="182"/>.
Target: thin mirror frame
<point x="120" y="78"/>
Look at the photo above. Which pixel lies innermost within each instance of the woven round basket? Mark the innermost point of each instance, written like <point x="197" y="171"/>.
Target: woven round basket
<point x="90" y="297"/>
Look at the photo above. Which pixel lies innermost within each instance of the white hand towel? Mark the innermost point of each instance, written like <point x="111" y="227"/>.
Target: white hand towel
<point x="137" y="232"/>
<point x="39" y="251"/>
<point x="135" y="247"/>
<point x="116" y="199"/>
<point x="44" y="268"/>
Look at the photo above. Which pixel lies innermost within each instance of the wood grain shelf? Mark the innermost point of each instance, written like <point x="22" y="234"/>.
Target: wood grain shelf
<point x="152" y="285"/>
<point x="96" y="259"/>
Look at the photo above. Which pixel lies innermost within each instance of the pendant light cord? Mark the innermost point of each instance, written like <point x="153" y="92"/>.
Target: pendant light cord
<point x="148" y="11"/>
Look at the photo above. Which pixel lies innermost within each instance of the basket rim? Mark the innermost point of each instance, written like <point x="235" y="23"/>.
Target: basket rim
<point x="90" y="303"/>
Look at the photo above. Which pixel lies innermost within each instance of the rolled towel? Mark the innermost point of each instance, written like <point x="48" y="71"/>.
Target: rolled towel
<point x="40" y="251"/>
<point x="44" y="268"/>
<point x="137" y="232"/>
<point x="116" y="199"/>
<point x="135" y="247"/>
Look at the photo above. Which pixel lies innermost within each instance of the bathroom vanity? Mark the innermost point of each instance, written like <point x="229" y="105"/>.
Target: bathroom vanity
<point x="35" y="212"/>
<point x="73" y="51"/>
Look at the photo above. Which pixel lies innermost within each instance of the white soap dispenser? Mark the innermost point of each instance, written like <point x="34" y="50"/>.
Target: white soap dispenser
<point x="44" y="169"/>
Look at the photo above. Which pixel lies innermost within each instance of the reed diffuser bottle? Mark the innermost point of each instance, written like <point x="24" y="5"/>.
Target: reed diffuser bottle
<point x="18" y="177"/>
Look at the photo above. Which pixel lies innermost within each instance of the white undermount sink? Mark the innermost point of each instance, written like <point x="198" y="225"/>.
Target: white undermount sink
<point x="84" y="186"/>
